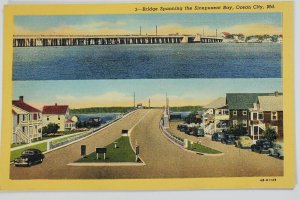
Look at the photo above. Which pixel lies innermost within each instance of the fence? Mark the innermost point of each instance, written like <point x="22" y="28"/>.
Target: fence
<point x="170" y="136"/>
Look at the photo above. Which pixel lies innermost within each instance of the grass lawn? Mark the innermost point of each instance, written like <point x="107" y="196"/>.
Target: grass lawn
<point x="123" y="153"/>
<point x="15" y="154"/>
<point x="202" y="149"/>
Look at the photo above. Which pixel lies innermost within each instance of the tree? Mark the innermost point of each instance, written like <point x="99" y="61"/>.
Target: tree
<point x="270" y="134"/>
<point x="50" y="129"/>
<point x="237" y="130"/>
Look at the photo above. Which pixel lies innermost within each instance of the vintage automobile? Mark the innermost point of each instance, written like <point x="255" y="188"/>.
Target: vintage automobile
<point x="243" y="142"/>
<point x="199" y="132"/>
<point x="277" y="150"/>
<point x="217" y="136"/>
<point x="261" y="146"/>
<point x="228" y="139"/>
<point x="29" y="157"/>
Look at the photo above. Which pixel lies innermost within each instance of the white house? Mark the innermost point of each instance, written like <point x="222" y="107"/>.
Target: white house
<point x="216" y="118"/>
<point x="26" y="122"/>
<point x="57" y="114"/>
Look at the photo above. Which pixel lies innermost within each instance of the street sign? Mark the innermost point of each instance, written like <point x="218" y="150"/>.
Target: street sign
<point x="124" y="132"/>
<point x="83" y="150"/>
<point x="100" y="150"/>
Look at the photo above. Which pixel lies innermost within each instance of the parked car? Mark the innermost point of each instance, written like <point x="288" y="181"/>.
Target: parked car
<point x="29" y="157"/>
<point x="217" y="136"/>
<point x="261" y="146"/>
<point x="277" y="150"/>
<point x="182" y="127"/>
<point x="199" y="132"/>
<point x="228" y="139"/>
<point x="243" y="142"/>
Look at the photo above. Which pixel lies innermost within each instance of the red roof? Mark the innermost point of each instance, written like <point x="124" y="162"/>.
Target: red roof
<point x="226" y="33"/>
<point x="56" y="109"/>
<point x="22" y="105"/>
<point x="69" y="121"/>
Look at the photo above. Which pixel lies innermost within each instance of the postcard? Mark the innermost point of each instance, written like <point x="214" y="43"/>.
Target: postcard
<point x="148" y="96"/>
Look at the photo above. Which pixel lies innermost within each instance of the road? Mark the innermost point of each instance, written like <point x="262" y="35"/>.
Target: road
<point x="163" y="159"/>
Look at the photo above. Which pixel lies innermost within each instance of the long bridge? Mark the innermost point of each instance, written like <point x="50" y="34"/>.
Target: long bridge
<point x="82" y="40"/>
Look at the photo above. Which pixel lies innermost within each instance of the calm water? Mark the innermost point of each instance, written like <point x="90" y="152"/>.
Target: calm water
<point x="106" y="117"/>
<point x="148" y="61"/>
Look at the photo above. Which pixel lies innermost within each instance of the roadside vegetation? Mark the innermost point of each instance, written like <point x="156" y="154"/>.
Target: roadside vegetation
<point x="123" y="153"/>
<point x="100" y="110"/>
<point x="186" y="108"/>
<point x="202" y="149"/>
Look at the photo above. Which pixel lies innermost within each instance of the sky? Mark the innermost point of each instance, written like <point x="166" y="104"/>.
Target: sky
<point x="246" y="23"/>
<point x="104" y="93"/>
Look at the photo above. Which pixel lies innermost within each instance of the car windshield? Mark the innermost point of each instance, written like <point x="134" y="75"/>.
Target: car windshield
<point x="28" y="153"/>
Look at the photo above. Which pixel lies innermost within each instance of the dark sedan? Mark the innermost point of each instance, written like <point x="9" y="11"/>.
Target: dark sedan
<point x="228" y="139"/>
<point x="217" y="137"/>
<point x="261" y="146"/>
<point x="29" y="157"/>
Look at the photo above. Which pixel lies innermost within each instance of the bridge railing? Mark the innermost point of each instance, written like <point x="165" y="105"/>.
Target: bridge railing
<point x="170" y="136"/>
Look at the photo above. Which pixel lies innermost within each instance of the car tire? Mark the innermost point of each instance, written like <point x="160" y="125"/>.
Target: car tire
<point x="29" y="164"/>
<point x="41" y="160"/>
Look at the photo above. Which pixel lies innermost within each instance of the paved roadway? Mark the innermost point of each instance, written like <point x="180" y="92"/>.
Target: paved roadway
<point x="163" y="159"/>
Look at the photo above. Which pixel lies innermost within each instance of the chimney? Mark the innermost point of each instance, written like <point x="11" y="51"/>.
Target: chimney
<point x="276" y="93"/>
<point x="55" y="104"/>
<point x="21" y="98"/>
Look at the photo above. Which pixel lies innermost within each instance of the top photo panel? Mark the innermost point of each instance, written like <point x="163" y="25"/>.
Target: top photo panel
<point x="147" y="46"/>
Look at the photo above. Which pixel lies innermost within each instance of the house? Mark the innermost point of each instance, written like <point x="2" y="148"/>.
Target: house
<point x="57" y="114"/>
<point x="239" y="105"/>
<point x="267" y="112"/>
<point x="69" y="125"/>
<point x="26" y="122"/>
<point x="216" y="117"/>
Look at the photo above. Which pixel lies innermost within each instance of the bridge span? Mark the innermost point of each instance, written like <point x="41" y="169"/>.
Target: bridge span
<point x="83" y="40"/>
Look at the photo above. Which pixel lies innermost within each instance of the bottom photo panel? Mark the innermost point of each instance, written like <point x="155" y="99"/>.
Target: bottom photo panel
<point x="147" y="128"/>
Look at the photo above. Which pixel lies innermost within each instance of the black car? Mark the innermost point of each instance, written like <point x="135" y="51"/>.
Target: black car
<point x="217" y="137"/>
<point x="182" y="127"/>
<point x="29" y="157"/>
<point x="262" y="146"/>
<point x="228" y="139"/>
<point x="199" y="132"/>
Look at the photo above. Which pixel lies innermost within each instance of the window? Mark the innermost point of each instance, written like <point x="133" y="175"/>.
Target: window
<point x="34" y="116"/>
<point x="47" y="118"/>
<point x="234" y="122"/>
<point x="254" y="116"/>
<point x="255" y="130"/>
<point x="226" y="112"/>
<point x="235" y="112"/>
<point x="58" y="117"/>
<point x="274" y="116"/>
<point x="260" y="116"/>
<point x="244" y="123"/>
<point x="244" y="112"/>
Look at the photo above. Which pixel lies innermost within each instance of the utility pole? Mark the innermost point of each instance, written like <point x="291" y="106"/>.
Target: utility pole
<point x="156" y="31"/>
<point x="149" y="103"/>
<point x="140" y="30"/>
